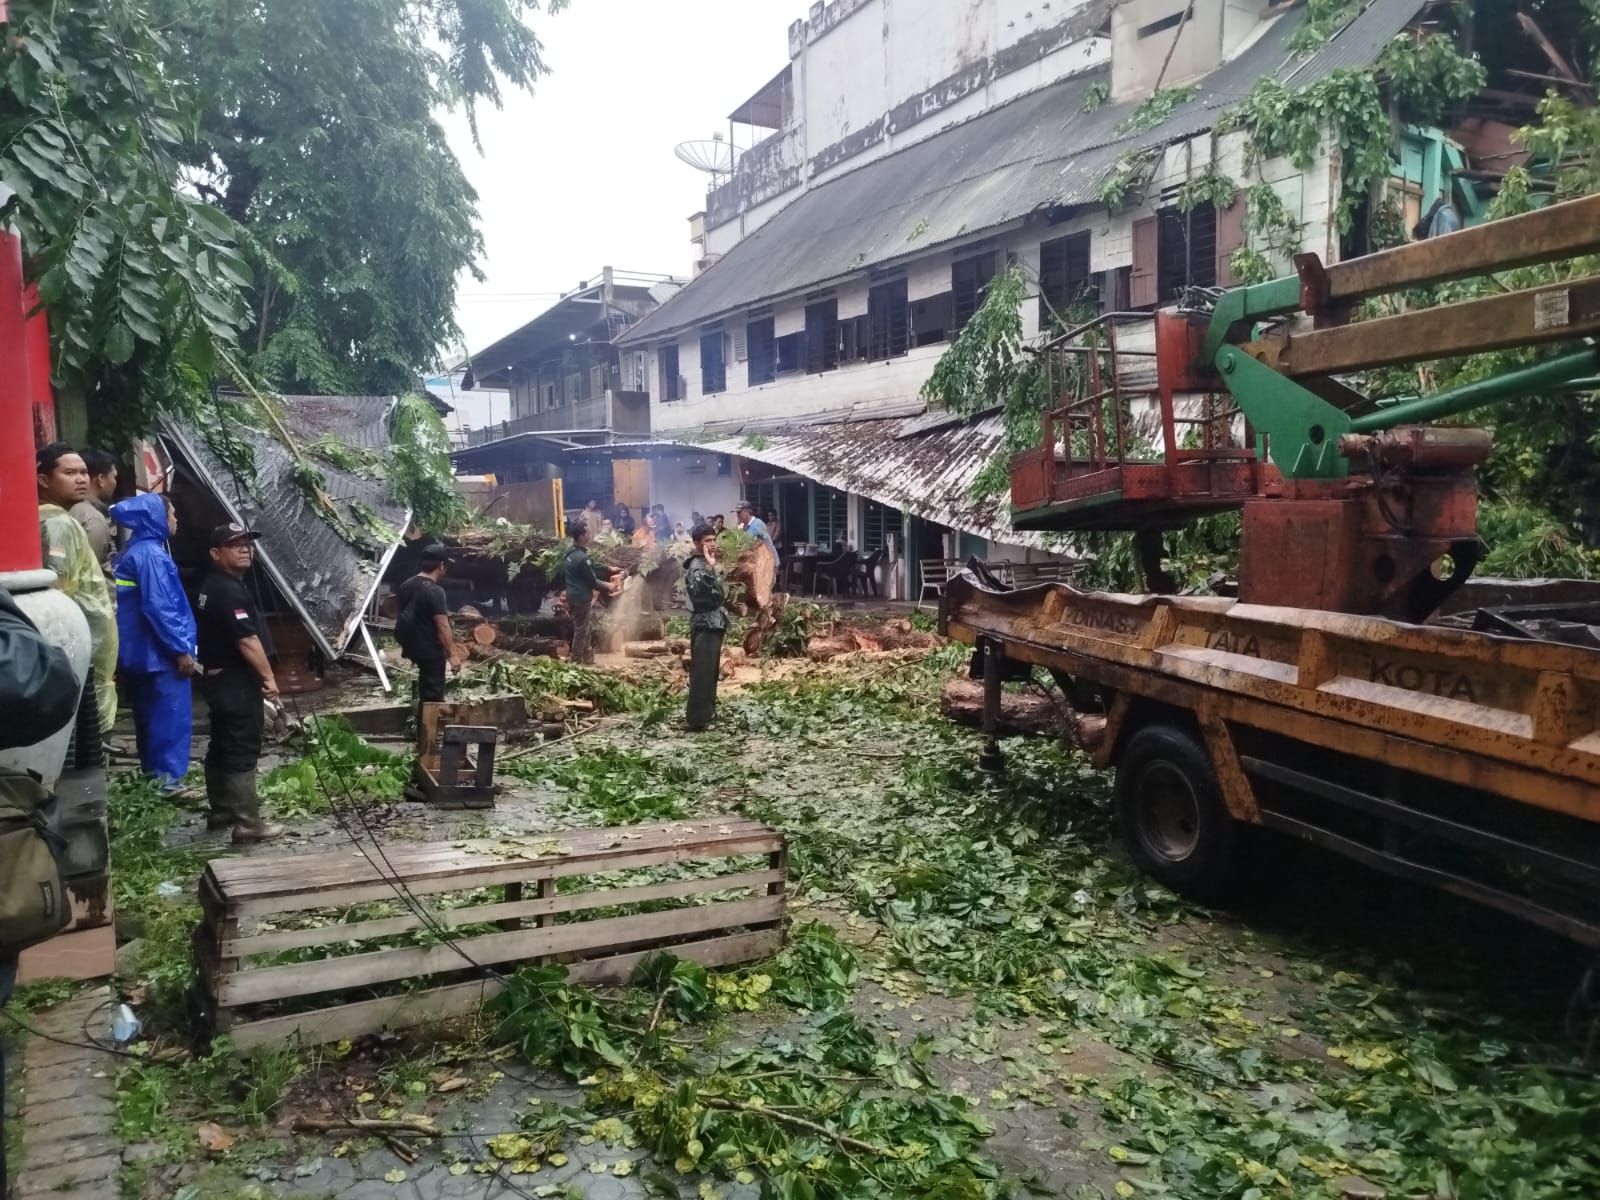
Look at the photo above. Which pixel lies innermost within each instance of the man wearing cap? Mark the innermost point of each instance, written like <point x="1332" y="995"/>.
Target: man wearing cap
<point x="238" y="678"/>
<point x="756" y="527"/>
<point x="423" y="627"/>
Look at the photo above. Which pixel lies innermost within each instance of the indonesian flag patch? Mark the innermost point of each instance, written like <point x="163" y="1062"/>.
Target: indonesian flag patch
<point x="241" y="614"/>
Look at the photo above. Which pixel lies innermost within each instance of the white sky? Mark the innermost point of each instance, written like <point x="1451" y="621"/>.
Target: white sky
<point x="580" y="174"/>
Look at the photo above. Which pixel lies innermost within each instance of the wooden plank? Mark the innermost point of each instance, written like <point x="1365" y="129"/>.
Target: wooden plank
<point x="1564" y="312"/>
<point x="279" y="940"/>
<point x="491" y="875"/>
<point x="240" y="876"/>
<point x="456" y="1000"/>
<point x="384" y="966"/>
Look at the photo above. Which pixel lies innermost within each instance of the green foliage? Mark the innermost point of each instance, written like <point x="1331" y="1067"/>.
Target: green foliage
<point x="1128" y="177"/>
<point x="1095" y="98"/>
<point x="340" y="180"/>
<point x="1429" y="76"/>
<point x="336" y="766"/>
<point x="1527" y="542"/>
<point x="541" y="679"/>
<point x="755" y="441"/>
<point x="798" y="622"/>
<point x="1324" y="18"/>
<point x="1212" y="186"/>
<point x="1156" y="108"/>
<point x="1272" y="236"/>
<point x="420" y="473"/>
<point x="816" y="971"/>
<point x="986" y="367"/>
<point x="143" y="282"/>
<point x="1290" y="123"/>
<point x="1191" y="555"/>
<point x="617" y="787"/>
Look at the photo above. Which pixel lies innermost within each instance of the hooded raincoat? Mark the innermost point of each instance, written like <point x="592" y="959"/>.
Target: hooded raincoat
<point x="156" y="629"/>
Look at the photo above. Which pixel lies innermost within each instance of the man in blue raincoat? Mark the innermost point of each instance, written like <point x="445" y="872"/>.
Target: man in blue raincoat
<point x="157" y="631"/>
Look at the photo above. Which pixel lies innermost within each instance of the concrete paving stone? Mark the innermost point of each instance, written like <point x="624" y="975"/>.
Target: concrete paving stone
<point x="602" y="1187"/>
<point x="83" y="1125"/>
<point x="64" y="1085"/>
<point x="42" y="1115"/>
<point x="380" y="1189"/>
<point x="75" y="1150"/>
<point x="46" y="1181"/>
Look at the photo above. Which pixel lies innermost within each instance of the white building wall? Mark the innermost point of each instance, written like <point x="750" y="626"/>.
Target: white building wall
<point x="689" y="483"/>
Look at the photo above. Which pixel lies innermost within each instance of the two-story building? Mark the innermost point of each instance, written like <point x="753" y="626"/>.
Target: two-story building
<point x="913" y="151"/>
<point x="568" y="385"/>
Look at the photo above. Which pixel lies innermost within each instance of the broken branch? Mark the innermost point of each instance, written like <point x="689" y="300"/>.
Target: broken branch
<point x="838" y="1139"/>
<point x="418" y="1125"/>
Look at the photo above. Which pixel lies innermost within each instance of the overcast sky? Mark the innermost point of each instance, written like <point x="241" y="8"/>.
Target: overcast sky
<point x="580" y="174"/>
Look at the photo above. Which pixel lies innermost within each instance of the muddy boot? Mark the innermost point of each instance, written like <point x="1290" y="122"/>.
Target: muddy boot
<point x="220" y="817"/>
<point x="247" y="824"/>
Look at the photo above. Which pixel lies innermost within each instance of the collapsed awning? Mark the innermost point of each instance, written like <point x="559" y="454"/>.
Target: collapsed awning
<point x="924" y="465"/>
<point x="326" y="579"/>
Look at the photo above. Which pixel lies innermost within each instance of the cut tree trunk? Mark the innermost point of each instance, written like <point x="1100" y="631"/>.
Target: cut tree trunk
<point x="765" y="624"/>
<point x="757" y="570"/>
<point x="1020" y="712"/>
<point x="824" y="649"/>
<point x="533" y="646"/>
<point x="484" y="634"/>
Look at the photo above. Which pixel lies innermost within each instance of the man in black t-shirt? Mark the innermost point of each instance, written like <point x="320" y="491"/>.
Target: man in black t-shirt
<point x="423" y="627"/>
<point x="238" y="678"/>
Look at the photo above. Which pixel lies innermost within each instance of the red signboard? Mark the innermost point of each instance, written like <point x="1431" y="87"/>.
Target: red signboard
<point x="19" y="494"/>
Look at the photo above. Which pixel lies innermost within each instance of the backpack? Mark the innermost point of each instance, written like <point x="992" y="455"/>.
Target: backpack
<point x="33" y="902"/>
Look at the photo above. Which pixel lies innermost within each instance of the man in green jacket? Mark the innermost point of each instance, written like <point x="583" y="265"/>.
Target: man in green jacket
<point x="582" y="584"/>
<point x="707" y="625"/>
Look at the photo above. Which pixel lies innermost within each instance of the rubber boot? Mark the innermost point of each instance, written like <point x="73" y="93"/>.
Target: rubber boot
<point x="247" y="823"/>
<point x="220" y="817"/>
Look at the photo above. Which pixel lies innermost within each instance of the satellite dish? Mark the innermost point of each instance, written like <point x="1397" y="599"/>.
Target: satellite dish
<point x="713" y="156"/>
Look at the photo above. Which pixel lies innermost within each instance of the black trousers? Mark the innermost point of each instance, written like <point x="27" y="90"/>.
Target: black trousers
<point x="705" y="668"/>
<point x="233" y="697"/>
<point x="430" y="684"/>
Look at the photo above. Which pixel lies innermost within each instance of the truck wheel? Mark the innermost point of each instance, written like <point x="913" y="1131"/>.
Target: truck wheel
<point x="1171" y="815"/>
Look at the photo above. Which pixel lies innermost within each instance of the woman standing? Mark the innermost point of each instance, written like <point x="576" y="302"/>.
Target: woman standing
<point x="707" y="626"/>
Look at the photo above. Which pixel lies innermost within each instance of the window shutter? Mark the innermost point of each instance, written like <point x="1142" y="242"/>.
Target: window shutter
<point x="741" y="344"/>
<point x="1142" y="287"/>
<point x="1230" y="237"/>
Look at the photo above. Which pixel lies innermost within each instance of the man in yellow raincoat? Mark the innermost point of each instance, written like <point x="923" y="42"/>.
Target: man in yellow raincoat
<point x="63" y="482"/>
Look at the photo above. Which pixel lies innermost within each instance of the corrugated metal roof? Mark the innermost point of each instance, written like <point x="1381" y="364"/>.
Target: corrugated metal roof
<point x="324" y="578"/>
<point x="928" y="474"/>
<point x="1039" y="151"/>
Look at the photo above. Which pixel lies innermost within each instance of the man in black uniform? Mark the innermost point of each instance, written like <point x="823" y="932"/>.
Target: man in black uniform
<point x="423" y="627"/>
<point x="238" y="679"/>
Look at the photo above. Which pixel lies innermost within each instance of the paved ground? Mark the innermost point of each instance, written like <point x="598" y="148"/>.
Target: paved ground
<point x="69" y="1151"/>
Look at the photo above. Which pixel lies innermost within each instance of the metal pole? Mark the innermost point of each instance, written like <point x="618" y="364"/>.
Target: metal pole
<point x="1532" y="380"/>
<point x="377" y="659"/>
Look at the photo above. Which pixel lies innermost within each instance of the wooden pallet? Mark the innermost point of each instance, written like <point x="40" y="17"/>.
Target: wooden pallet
<point x="258" y="909"/>
<point x="445" y="776"/>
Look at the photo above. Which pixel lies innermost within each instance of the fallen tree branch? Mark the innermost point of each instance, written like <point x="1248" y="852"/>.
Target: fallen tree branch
<point x="417" y="1125"/>
<point x="838" y="1139"/>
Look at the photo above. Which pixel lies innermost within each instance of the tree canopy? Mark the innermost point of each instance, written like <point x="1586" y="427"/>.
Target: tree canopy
<point x="237" y="187"/>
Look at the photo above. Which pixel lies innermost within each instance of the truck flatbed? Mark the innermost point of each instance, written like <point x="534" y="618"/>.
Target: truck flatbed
<point x="1468" y="760"/>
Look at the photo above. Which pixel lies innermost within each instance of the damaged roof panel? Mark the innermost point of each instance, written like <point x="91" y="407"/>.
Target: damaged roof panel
<point x="1038" y="151"/>
<point x="323" y="577"/>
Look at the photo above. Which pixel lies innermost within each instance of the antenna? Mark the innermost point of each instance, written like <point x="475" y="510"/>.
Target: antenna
<point x="713" y="155"/>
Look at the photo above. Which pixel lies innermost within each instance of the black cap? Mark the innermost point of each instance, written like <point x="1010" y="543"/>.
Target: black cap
<point x="745" y="506"/>
<point x="232" y="532"/>
<point x="435" y="553"/>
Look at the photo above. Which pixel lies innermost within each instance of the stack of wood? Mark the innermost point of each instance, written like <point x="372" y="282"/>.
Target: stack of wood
<point x="841" y="639"/>
<point x="1032" y="712"/>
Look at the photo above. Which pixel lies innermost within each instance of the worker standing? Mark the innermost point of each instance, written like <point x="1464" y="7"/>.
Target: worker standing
<point x="582" y="584"/>
<point x="237" y="679"/>
<point x="63" y="481"/>
<point x="94" y="511"/>
<point x="708" y="623"/>
<point x="157" y="635"/>
<point x="422" y="627"/>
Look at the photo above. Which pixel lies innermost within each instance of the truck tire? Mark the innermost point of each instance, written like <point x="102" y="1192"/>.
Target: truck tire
<point x="1171" y="815"/>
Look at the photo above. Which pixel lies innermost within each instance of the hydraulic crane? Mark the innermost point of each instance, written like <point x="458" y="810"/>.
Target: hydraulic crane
<point x="1316" y="703"/>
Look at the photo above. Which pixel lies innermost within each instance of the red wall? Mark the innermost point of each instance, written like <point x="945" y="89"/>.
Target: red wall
<point x="19" y="348"/>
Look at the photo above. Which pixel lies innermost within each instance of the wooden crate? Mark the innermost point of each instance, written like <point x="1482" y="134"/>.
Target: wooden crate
<point x="268" y="905"/>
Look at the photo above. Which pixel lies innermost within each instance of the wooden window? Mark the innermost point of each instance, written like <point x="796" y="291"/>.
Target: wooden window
<point x="1142" y="291"/>
<point x="932" y="320"/>
<point x="878" y="523"/>
<point x="822" y="336"/>
<point x="1064" y="279"/>
<point x="791" y="353"/>
<point x="888" y="320"/>
<point x="1115" y="288"/>
<point x="667" y="358"/>
<point x="968" y="278"/>
<point x="853" y="340"/>
<point x="1186" y="250"/>
<point x="713" y="363"/>
<point x="1230" y="237"/>
<point x="763" y="351"/>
